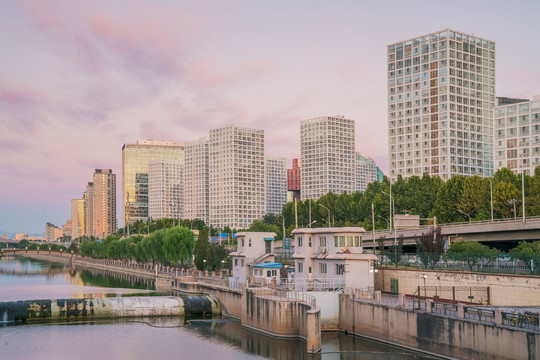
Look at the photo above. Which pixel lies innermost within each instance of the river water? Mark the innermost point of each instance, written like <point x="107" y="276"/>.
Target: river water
<point x="146" y="338"/>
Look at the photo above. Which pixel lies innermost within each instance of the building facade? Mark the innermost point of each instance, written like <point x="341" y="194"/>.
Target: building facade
<point x="52" y="232"/>
<point x="89" y="210"/>
<point x="366" y="172"/>
<point x="276" y="184"/>
<point x="236" y="176"/>
<point x="135" y="161"/>
<point x="293" y="181"/>
<point x="251" y="248"/>
<point x="104" y="203"/>
<point x="166" y="189"/>
<point x="196" y="180"/>
<point x="78" y="217"/>
<point x="327" y="146"/>
<point x="441" y="96"/>
<point x="517" y="136"/>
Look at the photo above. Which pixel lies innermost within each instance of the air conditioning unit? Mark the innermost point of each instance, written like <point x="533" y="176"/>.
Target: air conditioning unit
<point x="323" y="250"/>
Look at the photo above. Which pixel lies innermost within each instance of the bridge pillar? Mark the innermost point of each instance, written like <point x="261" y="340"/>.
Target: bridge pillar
<point x="498" y="317"/>
<point x="460" y="311"/>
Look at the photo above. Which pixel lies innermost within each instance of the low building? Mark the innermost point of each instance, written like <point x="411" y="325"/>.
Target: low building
<point x="331" y="258"/>
<point x="252" y="248"/>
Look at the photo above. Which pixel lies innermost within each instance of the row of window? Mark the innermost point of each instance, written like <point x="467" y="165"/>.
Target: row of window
<point x="339" y="269"/>
<point x="339" y="241"/>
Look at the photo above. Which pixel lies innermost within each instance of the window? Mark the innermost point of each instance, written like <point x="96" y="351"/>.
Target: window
<point x="249" y="243"/>
<point x="309" y="241"/>
<point x="340" y="269"/>
<point x="242" y="262"/>
<point x="357" y="241"/>
<point x="300" y="267"/>
<point x="309" y="269"/>
<point x="322" y="268"/>
<point x="299" y="241"/>
<point x="235" y="262"/>
<point x="243" y="242"/>
<point x="322" y="241"/>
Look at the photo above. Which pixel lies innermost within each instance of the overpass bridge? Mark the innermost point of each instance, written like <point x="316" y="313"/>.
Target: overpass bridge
<point x="502" y="234"/>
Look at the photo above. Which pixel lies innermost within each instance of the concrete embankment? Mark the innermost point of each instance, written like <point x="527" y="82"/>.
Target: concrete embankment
<point x="453" y="337"/>
<point x="69" y="309"/>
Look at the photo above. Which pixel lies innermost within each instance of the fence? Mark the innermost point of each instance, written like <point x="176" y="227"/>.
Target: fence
<point x="500" y="264"/>
<point x="315" y="284"/>
<point x="285" y="294"/>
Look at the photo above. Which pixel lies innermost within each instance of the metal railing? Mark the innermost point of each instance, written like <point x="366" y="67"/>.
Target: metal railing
<point x="285" y="295"/>
<point x="524" y="320"/>
<point x="314" y="284"/>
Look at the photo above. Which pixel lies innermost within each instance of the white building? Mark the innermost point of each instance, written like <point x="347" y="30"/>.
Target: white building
<point x="236" y="176"/>
<point x="328" y="156"/>
<point x="196" y="180"/>
<point x="331" y="258"/>
<point x="441" y="96"/>
<point x="517" y="136"/>
<point x="166" y="188"/>
<point x="275" y="184"/>
<point x="252" y="248"/>
<point x="366" y="171"/>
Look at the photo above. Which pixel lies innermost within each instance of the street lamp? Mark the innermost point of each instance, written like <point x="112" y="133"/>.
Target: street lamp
<point x="392" y="210"/>
<point x="328" y="213"/>
<point x="464" y="213"/>
<point x="387" y="222"/>
<point x="424" y="276"/>
<point x="311" y="223"/>
<point x="204" y="266"/>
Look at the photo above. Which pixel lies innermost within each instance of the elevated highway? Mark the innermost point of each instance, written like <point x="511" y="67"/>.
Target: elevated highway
<point x="502" y="234"/>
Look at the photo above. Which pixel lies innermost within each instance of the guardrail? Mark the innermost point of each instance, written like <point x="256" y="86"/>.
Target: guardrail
<point x="284" y="294"/>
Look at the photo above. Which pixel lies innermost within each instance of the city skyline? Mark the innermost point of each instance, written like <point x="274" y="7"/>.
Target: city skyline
<point x="81" y="80"/>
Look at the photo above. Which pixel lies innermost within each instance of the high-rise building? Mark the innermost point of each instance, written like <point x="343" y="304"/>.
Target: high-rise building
<point x="441" y="95"/>
<point x="366" y="172"/>
<point x="293" y="181"/>
<point x="166" y="189"/>
<point x="135" y="160"/>
<point x="276" y="184"/>
<point x="52" y="232"/>
<point x="196" y="180"/>
<point x="89" y="210"/>
<point x="66" y="228"/>
<point x="236" y="176"/>
<point x="328" y="156"/>
<point x="517" y="136"/>
<point x="78" y="217"/>
<point x="104" y="203"/>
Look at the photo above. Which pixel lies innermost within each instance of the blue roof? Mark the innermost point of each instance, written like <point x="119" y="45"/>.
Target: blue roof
<point x="272" y="265"/>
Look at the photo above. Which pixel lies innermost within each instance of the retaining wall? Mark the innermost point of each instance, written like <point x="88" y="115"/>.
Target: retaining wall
<point x="506" y="290"/>
<point x="457" y="338"/>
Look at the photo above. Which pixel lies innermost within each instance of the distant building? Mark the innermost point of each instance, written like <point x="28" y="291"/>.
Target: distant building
<point x="166" y="188"/>
<point x="327" y="146"/>
<point x="293" y="181"/>
<point x="89" y="210"/>
<point x="366" y="172"/>
<point x="517" y="136"/>
<point x="20" y="236"/>
<point x="236" y="176"/>
<point x="4" y="237"/>
<point x="78" y="217"/>
<point x="196" y="180"/>
<point x="66" y="228"/>
<point x="104" y="203"/>
<point x="275" y="184"/>
<point x="507" y="101"/>
<point x="135" y="161"/>
<point x="52" y="232"/>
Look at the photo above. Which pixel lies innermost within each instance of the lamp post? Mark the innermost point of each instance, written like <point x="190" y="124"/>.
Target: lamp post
<point x="328" y="213"/>
<point x="311" y="223"/>
<point x="491" y="197"/>
<point x="424" y="276"/>
<point x="464" y="213"/>
<point x="387" y="222"/>
<point x="523" y="194"/>
<point x="283" y="218"/>
<point x="392" y="210"/>
<point x="395" y="236"/>
<point x="204" y="266"/>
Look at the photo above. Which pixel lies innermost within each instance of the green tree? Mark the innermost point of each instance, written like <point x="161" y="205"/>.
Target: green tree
<point x="471" y="252"/>
<point x="474" y="199"/>
<point x="178" y="244"/>
<point x="505" y="199"/>
<point x="430" y="247"/>
<point x="445" y="205"/>
<point x="528" y="252"/>
<point x="260" y="226"/>
<point x="153" y="246"/>
<point x="201" y="248"/>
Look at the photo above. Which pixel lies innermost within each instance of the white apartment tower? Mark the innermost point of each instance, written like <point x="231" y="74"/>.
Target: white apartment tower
<point x="236" y="176"/>
<point x="328" y="156"/>
<point x="517" y="136"/>
<point x="441" y="96"/>
<point x="196" y="181"/>
<point x="276" y="184"/>
<point x="166" y="189"/>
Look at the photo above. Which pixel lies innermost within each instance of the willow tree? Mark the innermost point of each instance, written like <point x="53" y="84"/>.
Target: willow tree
<point x="178" y="244"/>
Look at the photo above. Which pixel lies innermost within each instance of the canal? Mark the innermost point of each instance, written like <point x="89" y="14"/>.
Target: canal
<point x="145" y="338"/>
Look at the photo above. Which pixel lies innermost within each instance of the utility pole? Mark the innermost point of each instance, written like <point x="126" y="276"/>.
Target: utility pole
<point x="373" y="227"/>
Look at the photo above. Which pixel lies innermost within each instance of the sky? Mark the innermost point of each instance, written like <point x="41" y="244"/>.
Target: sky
<point x="78" y="79"/>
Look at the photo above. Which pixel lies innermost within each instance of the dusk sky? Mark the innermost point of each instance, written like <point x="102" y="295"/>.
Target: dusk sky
<point x="78" y="79"/>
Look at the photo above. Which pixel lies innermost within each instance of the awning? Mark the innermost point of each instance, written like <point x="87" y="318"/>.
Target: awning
<point x="269" y="265"/>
